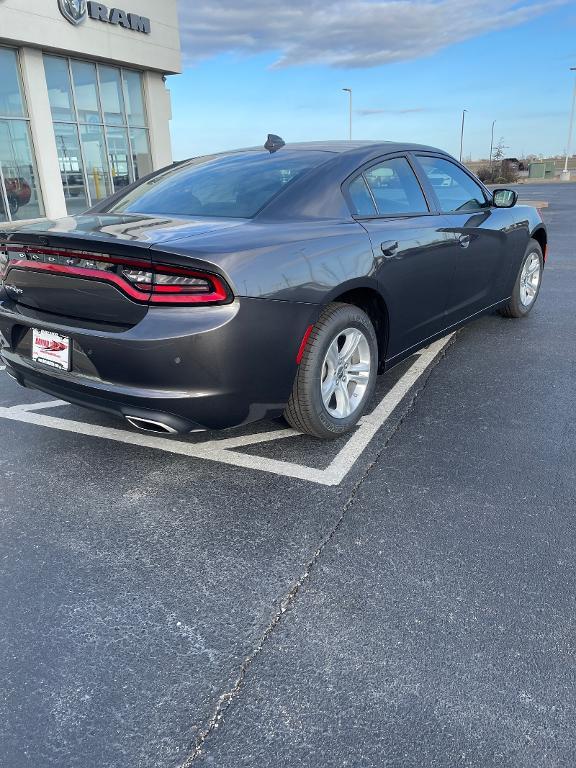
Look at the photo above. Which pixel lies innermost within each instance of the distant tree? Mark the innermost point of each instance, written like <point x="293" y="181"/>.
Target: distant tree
<point x="499" y="171"/>
<point x="498" y="152"/>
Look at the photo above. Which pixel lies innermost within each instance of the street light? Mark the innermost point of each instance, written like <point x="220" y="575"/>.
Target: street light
<point x="462" y="132"/>
<point x="492" y="143"/>
<point x="349" y="91"/>
<point x="566" y="172"/>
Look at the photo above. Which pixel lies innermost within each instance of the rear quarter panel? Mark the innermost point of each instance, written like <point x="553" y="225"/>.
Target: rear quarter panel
<point x="304" y="261"/>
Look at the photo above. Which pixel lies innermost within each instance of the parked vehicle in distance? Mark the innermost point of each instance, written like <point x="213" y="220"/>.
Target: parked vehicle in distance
<point x="18" y="192"/>
<point x="262" y="282"/>
<point x="73" y="183"/>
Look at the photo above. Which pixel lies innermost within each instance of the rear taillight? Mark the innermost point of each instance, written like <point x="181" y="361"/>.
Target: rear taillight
<point x="141" y="281"/>
<point x="166" y="285"/>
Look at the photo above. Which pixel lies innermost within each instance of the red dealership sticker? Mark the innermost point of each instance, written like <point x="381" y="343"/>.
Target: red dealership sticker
<point x="51" y="349"/>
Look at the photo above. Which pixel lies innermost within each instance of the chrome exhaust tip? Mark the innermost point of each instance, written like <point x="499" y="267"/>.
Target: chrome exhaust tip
<point x="148" y="425"/>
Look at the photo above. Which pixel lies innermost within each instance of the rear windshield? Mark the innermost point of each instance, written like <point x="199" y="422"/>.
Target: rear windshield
<point x="231" y="186"/>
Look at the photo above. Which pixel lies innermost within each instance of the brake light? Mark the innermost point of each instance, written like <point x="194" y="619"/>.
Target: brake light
<point x="141" y="281"/>
<point x="163" y="282"/>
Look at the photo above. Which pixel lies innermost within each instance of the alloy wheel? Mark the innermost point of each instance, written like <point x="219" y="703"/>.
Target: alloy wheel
<point x="530" y="279"/>
<point x="345" y="373"/>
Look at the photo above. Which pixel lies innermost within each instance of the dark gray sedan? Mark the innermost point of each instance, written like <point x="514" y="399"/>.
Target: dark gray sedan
<point x="262" y="282"/>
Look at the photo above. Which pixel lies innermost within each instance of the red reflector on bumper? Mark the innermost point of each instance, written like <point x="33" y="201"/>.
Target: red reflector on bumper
<point x="305" y="338"/>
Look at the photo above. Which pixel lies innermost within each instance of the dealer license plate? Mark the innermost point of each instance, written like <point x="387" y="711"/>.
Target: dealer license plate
<point x="51" y="349"/>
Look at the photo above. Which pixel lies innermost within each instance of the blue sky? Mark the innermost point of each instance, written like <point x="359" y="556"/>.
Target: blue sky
<point x="250" y="70"/>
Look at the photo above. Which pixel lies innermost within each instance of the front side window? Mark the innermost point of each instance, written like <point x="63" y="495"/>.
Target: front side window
<point x="455" y="190"/>
<point x="229" y="186"/>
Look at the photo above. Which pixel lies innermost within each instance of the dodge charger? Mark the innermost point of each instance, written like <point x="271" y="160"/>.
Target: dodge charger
<point x="260" y="282"/>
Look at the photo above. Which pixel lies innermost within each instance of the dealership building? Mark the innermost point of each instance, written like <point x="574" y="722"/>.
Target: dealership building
<point x="84" y="108"/>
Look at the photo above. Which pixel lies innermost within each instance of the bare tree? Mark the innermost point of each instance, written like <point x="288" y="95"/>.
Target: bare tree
<point x="498" y="154"/>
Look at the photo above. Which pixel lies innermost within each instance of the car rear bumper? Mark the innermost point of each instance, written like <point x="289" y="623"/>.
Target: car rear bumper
<point x="187" y="368"/>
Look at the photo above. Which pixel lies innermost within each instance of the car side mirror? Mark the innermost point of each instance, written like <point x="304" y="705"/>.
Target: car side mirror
<point x="504" y="198"/>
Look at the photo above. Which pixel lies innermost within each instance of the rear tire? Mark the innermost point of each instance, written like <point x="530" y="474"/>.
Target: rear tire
<point x="527" y="285"/>
<point x="337" y="374"/>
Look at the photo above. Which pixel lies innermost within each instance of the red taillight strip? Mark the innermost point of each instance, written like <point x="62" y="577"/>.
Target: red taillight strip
<point x="219" y="292"/>
<point x="90" y="274"/>
<point x="176" y="294"/>
<point x="158" y="294"/>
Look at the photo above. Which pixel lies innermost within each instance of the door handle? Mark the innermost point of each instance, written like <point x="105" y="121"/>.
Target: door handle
<point x="389" y="247"/>
<point x="464" y="240"/>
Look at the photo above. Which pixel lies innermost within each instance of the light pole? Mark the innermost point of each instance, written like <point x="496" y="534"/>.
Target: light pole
<point x="492" y="143"/>
<point x="349" y="91"/>
<point x="566" y="172"/>
<point x="462" y="132"/>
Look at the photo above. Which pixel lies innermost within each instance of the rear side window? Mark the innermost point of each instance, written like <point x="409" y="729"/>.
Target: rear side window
<point x="361" y="198"/>
<point x="228" y="186"/>
<point x="455" y="190"/>
<point x="394" y="189"/>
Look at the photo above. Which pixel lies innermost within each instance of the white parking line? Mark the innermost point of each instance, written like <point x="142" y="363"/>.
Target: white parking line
<point x="222" y="450"/>
<point x="370" y="424"/>
<point x="39" y="406"/>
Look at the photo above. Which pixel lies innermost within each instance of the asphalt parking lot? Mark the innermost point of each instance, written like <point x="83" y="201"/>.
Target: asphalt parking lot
<point x="404" y="597"/>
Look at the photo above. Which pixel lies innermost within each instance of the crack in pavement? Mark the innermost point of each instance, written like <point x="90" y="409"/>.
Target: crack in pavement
<point x="226" y="699"/>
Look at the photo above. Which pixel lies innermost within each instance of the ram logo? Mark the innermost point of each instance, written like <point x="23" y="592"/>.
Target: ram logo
<point x="73" y="11"/>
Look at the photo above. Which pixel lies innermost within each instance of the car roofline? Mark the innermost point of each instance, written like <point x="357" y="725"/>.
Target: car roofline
<point x="334" y="147"/>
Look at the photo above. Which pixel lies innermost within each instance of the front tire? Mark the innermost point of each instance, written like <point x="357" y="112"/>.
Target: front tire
<point x="337" y="374"/>
<point x="528" y="282"/>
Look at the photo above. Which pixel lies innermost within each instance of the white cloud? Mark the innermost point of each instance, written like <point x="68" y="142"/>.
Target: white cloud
<point x="344" y="33"/>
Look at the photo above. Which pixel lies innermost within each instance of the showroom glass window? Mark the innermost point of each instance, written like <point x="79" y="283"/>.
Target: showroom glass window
<point x="100" y="127"/>
<point x="19" y="191"/>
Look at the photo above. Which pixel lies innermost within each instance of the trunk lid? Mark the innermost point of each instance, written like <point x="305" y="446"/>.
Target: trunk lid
<point x="72" y="267"/>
